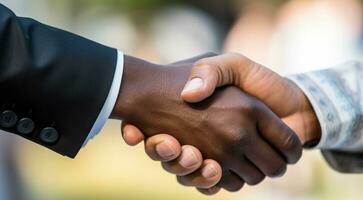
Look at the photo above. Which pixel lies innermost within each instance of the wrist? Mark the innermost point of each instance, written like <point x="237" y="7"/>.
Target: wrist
<point x="300" y="115"/>
<point x="138" y="77"/>
<point x="312" y="133"/>
<point x="145" y="86"/>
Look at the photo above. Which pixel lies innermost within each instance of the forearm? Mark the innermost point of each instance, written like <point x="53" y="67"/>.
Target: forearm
<point x="138" y="78"/>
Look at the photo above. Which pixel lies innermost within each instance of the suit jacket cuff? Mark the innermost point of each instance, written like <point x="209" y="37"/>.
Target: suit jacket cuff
<point x="110" y="100"/>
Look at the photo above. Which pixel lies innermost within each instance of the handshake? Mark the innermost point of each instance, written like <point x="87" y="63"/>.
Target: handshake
<point x="215" y="121"/>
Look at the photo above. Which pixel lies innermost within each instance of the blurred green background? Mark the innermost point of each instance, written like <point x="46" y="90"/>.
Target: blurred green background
<point x="287" y="36"/>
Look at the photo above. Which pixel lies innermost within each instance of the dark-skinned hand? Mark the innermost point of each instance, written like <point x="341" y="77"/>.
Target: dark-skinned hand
<point x="231" y="127"/>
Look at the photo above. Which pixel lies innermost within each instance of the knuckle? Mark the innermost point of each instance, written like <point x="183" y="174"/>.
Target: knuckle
<point x="255" y="180"/>
<point x="297" y="157"/>
<point x="293" y="148"/>
<point x="210" y="191"/>
<point x="203" y="66"/>
<point x="171" y="169"/>
<point x="204" y="62"/>
<point x="204" y="191"/>
<point x="207" y="183"/>
<point x="230" y="184"/>
<point x="250" y="107"/>
<point x="183" y="181"/>
<point x="166" y="166"/>
<point x="242" y="60"/>
<point x="234" y="187"/>
<point x="277" y="171"/>
<point x="243" y="138"/>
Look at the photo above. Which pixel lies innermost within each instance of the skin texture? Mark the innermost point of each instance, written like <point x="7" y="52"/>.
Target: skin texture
<point x="269" y="87"/>
<point x="231" y="127"/>
<point x="176" y="154"/>
<point x="281" y="95"/>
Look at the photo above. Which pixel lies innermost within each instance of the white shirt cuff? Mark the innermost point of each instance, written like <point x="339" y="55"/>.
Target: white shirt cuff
<point x="110" y="101"/>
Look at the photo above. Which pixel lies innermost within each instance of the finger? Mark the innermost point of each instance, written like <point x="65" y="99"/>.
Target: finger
<point x="248" y="172"/>
<point x="265" y="158"/>
<point x="189" y="161"/>
<point x="195" y="59"/>
<point x="210" y="191"/>
<point x="280" y="136"/>
<point x="209" y="73"/>
<point x="131" y="134"/>
<point x="207" y="176"/>
<point x="162" y="147"/>
<point x="231" y="182"/>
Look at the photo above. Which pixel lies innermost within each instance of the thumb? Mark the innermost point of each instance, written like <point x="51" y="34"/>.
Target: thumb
<point x="206" y="75"/>
<point x="253" y="78"/>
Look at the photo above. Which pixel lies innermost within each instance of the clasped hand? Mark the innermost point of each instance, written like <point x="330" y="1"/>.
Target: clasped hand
<point x="215" y="138"/>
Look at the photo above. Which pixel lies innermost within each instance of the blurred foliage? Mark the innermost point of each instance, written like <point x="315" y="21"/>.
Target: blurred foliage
<point x="223" y="11"/>
<point x="132" y="5"/>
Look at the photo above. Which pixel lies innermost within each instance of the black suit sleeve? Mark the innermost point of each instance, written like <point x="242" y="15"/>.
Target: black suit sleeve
<point x="53" y="84"/>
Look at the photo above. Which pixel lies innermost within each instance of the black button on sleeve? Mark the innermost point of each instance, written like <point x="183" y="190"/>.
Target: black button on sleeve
<point x="25" y="126"/>
<point x="49" y="135"/>
<point x="8" y="119"/>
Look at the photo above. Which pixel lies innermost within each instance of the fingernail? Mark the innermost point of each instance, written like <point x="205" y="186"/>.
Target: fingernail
<point x="165" y="150"/>
<point x="209" y="171"/>
<point x="188" y="158"/>
<point x="193" y="84"/>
